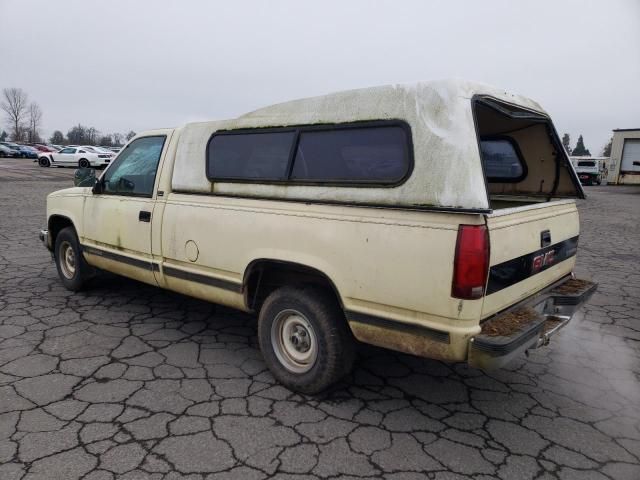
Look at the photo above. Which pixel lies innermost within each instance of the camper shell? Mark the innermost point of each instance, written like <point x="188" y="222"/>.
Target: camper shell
<point x="447" y="119"/>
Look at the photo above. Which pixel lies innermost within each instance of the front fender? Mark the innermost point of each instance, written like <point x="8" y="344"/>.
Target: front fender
<point x="67" y="204"/>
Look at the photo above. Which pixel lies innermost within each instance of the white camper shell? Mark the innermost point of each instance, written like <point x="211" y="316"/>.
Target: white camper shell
<point x="446" y="120"/>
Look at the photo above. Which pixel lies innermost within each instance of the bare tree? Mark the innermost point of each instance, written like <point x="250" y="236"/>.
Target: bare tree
<point x="130" y="135"/>
<point x="93" y="135"/>
<point x="117" y="139"/>
<point x="35" y="120"/>
<point x="14" y="105"/>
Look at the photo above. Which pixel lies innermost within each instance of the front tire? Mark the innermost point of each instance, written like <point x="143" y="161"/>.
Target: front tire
<point x="305" y="339"/>
<point x="72" y="268"/>
<point x="44" y="162"/>
<point x="84" y="163"/>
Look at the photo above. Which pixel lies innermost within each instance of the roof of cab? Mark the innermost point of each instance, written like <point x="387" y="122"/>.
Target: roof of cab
<point x="447" y="171"/>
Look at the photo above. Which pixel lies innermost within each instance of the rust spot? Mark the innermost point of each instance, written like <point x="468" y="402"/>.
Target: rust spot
<point x="509" y="323"/>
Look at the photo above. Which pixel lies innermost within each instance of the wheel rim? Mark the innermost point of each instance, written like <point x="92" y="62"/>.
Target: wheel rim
<point x="67" y="259"/>
<point x="84" y="163"/>
<point x="294" y="341"/>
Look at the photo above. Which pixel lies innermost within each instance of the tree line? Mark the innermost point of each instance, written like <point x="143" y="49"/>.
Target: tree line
<point x="580" y="150"/>
<point x="24" y="121"/>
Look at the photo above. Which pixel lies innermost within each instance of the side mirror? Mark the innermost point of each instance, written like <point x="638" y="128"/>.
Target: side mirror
<point x="98" y="188"/>
<point x="84" y="177"/>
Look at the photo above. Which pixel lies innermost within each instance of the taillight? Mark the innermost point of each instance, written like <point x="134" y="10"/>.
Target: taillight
<point x="471" y="262"/>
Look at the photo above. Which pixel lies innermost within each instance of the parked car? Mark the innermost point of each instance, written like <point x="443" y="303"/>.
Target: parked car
<point x="105" y="150"/>
<point x="93" y="148"/>
<point x="6" y="151"/>
<point x="14" y="147"/>
<point x="43" y="148"/>
<point x="74" y="156"/>
<point x="27" y="151"/>
<point x="437" y="219"/>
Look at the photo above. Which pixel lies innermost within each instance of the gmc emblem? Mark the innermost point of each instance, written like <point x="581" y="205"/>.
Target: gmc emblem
<point x="543" y="260"/>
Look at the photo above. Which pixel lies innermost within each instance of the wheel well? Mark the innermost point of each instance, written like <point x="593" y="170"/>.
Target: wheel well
<point x="57" y="223"/>
<point x="264" y="276"/>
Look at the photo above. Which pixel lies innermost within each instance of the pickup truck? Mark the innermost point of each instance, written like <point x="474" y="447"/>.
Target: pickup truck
<point x="437" y="219"/>
<point x="589" y="170"/>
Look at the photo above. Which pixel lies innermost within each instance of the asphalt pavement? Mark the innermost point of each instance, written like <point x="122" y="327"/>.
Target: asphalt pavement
<point x="128" y="381"/>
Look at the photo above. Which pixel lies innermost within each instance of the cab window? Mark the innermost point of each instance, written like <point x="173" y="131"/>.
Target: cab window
<point x="134" y="171"/>
<point x="67" y="150"/>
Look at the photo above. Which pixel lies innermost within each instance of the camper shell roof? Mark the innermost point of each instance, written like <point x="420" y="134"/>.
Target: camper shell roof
<point x="447" y="171"/>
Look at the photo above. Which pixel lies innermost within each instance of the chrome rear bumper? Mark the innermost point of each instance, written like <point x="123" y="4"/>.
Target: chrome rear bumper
<point x="528" y="325"/>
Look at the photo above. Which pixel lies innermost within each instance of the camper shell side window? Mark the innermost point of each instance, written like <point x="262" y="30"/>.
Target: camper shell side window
<point x="376" y="153"/>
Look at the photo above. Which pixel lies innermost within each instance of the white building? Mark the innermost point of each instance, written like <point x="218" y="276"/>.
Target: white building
<point x="624" y="167"/>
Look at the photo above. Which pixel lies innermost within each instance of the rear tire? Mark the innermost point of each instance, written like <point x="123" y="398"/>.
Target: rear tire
<point x="84" y="163"/>
<point x="44" y="162"/>
<point x="305" y="339"/>
<point x="72" y="268"/>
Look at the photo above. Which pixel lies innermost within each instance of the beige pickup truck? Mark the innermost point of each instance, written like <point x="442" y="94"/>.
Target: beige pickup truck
<point x="436" y="219"/>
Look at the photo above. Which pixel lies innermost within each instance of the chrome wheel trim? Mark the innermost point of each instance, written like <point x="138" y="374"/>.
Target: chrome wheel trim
<point x="294" y="341"/>
<point x="67" y="260"/>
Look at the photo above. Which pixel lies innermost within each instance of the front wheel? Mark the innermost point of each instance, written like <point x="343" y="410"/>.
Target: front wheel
<point x="84" y="163"/>
<point x="44" y="162"/>
<point x="305" y="339"/>
<point x="72" y="268"/>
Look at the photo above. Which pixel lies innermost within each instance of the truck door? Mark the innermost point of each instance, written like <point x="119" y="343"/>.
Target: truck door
<point x="117" y="221"/>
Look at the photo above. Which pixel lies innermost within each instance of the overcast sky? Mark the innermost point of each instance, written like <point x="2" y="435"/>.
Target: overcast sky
<point x="121" y="65"/>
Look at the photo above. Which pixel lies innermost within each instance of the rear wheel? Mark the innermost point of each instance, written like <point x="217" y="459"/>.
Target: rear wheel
<point x="72" y="269"/>
<point x="84" y="163"/>
<point x="304" y="338"/>
<point x="44" y="162"/>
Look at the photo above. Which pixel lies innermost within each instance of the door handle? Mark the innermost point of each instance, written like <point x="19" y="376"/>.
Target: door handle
<point x="144" y="216"/>
<point x="545" y="238"/>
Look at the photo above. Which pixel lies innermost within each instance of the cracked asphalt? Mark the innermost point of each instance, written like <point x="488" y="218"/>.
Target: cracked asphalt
<point x="129" y="381"/>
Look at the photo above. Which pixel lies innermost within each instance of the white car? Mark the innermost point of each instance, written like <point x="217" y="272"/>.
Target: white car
<point x="75" y="157"/>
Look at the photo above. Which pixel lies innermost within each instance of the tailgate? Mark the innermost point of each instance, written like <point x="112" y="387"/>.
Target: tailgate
<point x="531" y="248"/>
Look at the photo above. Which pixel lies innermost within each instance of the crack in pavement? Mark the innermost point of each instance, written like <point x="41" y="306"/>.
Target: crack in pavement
<point x="129" y="381"/>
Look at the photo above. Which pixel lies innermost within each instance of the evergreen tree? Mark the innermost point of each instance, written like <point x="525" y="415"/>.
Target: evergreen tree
<point x="580" y="150"/>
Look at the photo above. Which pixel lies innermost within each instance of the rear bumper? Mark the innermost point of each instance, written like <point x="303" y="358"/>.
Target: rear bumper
<point x="528" y="325"/>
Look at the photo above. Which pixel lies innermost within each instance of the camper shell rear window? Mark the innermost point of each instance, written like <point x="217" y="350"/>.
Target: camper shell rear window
<point x="363" y="153"/>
